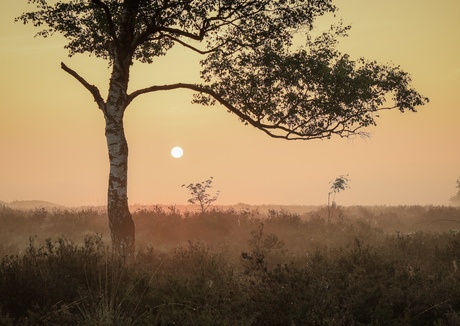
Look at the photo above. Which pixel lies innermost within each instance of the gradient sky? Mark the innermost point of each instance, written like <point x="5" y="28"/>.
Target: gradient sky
<point x="52" y="135"/>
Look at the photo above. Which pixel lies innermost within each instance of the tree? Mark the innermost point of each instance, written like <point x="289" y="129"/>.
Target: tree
<point x="250" y="66"/>
<point x="200" y="195"/>
<point x="455" y="200"/>
<point x="340" y="183"/>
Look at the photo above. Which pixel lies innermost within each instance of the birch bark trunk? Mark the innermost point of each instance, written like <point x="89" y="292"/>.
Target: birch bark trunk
<point x="120" y="220"/>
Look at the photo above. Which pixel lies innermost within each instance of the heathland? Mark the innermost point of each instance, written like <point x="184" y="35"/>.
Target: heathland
<point x="239" y="265"/>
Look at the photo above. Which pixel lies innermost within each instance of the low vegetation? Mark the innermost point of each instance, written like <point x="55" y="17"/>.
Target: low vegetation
<point x="367" y="266"/>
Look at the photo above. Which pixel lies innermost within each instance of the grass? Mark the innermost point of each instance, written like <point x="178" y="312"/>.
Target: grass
<point x="369" y="266"/>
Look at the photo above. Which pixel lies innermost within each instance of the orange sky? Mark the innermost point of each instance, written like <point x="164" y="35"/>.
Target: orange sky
<point x="52" y="135"/>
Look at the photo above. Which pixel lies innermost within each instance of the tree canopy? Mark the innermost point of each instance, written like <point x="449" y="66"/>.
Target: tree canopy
<point x="250" y="64"/>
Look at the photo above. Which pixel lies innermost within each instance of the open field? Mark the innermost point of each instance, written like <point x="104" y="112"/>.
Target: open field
<point x="233" y="266"/>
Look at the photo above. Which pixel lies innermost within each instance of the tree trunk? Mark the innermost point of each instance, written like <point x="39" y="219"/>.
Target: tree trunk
<point x="120" y="219"/>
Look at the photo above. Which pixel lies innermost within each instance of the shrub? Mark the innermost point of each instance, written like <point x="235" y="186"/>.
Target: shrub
<point x="237" y="269"/>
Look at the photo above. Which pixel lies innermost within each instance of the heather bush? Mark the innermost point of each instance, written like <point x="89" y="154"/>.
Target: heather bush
<point x="233" y="268"/>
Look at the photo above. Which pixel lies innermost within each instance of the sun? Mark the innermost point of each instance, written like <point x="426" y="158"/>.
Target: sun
<point x="177" y="152"/>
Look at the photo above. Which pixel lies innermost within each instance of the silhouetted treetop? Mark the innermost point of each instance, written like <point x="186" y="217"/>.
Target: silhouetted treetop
<point x="250" y="64"/>
<point x="148" y="28"/>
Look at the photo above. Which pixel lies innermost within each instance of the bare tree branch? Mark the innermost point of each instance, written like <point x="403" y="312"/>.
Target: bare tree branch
<point x="387" y="108"/>
<point x="270" y="129"/>
<point x="181" y="33"/>
<point x="93" y="89"/>
<point x="192" y="47"/>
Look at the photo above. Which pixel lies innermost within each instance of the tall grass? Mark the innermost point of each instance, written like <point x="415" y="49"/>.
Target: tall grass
<point x="369" y="266"/>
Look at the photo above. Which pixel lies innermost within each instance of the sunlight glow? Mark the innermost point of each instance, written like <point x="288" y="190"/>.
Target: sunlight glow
<point x="177" y="152"/>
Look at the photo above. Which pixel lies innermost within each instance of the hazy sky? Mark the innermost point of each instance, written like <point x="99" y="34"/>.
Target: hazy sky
<point x="52" y="135"/>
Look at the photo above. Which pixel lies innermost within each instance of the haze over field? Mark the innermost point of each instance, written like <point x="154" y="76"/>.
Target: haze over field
<point x="53" y="146"/>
